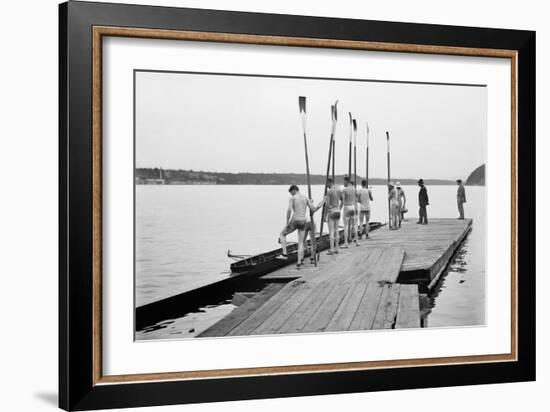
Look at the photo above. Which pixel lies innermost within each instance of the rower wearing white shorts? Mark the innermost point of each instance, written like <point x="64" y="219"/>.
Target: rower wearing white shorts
<point x="296" y="220"/>
<point x="364" y="197"/>
<point x="350" y="211"/>
<point x="333" y="202"/>
<point x="394" y="206"/>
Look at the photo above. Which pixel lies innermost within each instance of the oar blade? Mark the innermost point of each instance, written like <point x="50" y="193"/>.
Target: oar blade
<point x="302" y="104"/>
<point x="302" y="107"/>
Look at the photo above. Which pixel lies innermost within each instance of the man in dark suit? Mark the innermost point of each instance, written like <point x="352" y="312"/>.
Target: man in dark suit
<point x="460" y="198"/>
<point x="422" y="202"/>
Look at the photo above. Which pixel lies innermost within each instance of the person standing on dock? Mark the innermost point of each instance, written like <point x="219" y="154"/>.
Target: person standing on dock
<point x="394" y="206"/>
<point x="296" y="220"/>
<point x="423" y="201"/>
<point x="402" y="200"/>
<point x="460" y="198"/>
<point x="350" y="211"/>
<point x="364" y="197"/>
<point x="333" y="201"/>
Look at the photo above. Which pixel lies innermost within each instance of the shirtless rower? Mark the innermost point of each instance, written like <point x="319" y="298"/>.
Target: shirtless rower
<point x="394" y="206"/>
<point x="333" y="201"/>
<point x="402" y="201"/>
<point x="296" y="220"/>
<point x="364" y="197"/>
<point x="350" y="211"/>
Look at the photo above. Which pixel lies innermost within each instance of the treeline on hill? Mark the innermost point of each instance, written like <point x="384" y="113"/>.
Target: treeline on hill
<point x="180" y="176"/>
<point x="477" y="177"/>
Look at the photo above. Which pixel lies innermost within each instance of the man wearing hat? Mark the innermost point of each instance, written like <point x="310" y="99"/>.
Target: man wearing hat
<point x="422" y="203"/>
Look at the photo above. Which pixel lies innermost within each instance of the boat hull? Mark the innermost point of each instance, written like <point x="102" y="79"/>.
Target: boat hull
<point x="270" y="261"/>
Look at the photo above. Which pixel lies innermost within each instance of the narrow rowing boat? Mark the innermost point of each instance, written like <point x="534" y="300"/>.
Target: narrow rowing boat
<point x="272" y="260"/>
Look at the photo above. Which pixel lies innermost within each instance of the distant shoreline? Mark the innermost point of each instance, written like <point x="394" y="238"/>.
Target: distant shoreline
<point x="157" y="176"/>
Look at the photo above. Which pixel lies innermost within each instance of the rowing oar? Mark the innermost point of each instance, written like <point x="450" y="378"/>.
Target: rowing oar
<point x="350" y="135"/>
<point x="388" y="158"/>
<point x="302" y="106"/>
<point x="355" y="153"/>
<point x="354" y="171"/>
<point x="333" y="156"/>
<point x="334" y="117"/>
<point x="367" y="163"/>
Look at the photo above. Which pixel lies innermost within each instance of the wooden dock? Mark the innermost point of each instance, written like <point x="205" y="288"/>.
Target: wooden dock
<point x="358" y="289"/>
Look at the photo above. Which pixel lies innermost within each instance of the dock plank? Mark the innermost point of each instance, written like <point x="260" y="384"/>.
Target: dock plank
<point x="387" y="310"/>
<point x="274" y="322"/>
<point x="389" y="270"/>
<point x="368" y="308"/>
<point x="263" y="312"/>
<point x="239" y="314"/>
<point x="305" y="311"/>
<point x="408" y="310"/>
<point x="342" y="318"/>
<point x="326" y="311"/>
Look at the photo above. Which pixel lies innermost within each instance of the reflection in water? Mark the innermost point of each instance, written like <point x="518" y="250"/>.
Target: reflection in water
<point x="188" y="325"/>
<point x="458" y="299"/>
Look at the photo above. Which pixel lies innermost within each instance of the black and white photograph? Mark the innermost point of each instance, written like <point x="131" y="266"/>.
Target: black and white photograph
<point x="274" y="206"/>
<point x="267" y="205"/>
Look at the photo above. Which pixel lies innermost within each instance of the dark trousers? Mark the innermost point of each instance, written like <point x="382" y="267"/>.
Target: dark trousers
<point x="422" y="215"/>
<point x="460" y="205"/>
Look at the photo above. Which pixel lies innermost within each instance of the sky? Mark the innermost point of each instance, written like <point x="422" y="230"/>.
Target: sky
<point x="223" y="123"/>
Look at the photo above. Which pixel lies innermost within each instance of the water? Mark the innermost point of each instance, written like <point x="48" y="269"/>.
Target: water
<point x="183" y="234"/>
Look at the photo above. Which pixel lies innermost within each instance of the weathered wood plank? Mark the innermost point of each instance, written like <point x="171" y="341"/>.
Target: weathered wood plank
<point x="274" y="322"/>
<point x="408" y="310"/>
<point x="389" y="270"/>
<point x="367" y="271"/>
<point x="343" y="316"/>
<point x="301" y="316"/>
<point x="238" y="315"/>
<point x="368" y="308"/>
<point x="387" y="310"/>
<point x="326" y="311"/>
<point x="264" y="311"/>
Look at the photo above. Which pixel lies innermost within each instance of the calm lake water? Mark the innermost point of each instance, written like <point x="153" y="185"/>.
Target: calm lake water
<point x="183" y="234"/>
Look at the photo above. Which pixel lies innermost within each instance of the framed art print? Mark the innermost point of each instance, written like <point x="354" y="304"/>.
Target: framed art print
<point x="257" y="205"/>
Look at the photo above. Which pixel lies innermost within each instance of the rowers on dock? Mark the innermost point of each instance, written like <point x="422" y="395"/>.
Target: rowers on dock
<point x="350" y="211"/>
<point x="364" y="197"/>
<point x="333" y="202"/>
<point x="402" y="201"/>
<point x="296" y="220"/>
<point x="394" y="206"/>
